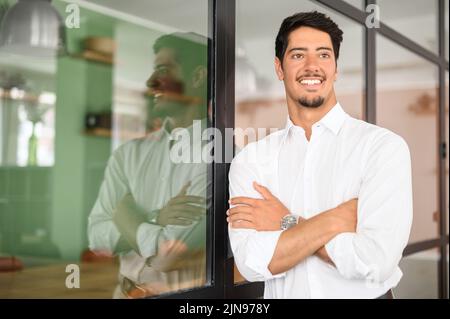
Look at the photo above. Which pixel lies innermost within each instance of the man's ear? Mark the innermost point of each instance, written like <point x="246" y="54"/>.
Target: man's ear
<point x="279" y="69"/>
<point x="199" y="76"/>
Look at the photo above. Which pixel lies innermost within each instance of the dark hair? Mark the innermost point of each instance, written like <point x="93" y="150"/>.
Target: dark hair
<point x="311" y="19"/>
<point x="190" y="49"/>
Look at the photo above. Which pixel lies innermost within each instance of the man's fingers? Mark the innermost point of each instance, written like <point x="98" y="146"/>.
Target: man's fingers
<point x="243" y="224"/>
<point x="244" y="200"/>
<point x="185" y="215"/>
<point x="184" y="189"/>
<point x="240" y="217"/>
<point x="188" y="199"/>
<point x="172" y="246"/>
<point x="264" y="191"/>
<point x="193" y="210"/>
<point x="179" y="221"/>
<point x="239" y="209"/>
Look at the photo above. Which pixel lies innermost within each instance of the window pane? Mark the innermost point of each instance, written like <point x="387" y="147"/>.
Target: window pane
<point x="406" y="104"/>
<point x="416" y="19"/>
<point x="260" y="97"/>
<point x="420" y="276"/>
<point x="99" y="155"/>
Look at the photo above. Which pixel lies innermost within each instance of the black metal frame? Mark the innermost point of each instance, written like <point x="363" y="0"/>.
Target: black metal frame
<point x="370" y="107"/>
<point x="222" y="15"/>
<point x="221" y="54"/>
<point x="443" y="67"/>
<point x="221" y="57"/>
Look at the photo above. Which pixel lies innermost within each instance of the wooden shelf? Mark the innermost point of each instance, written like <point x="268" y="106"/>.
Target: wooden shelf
<point x="100" y="132"/>
<point x="93" y="56"/>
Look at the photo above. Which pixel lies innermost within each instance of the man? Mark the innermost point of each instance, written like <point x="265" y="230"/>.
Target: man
<point x="151" y="209"/>
<point x="293" y="221"/>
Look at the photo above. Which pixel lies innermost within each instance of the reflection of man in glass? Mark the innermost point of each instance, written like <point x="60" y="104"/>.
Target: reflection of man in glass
<point x="150" y="209"/>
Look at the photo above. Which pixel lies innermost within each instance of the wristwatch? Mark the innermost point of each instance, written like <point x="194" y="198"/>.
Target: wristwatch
<point x="288" y="221"/>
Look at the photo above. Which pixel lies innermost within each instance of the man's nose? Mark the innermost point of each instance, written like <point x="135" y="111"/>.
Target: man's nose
<point x="311" y="64"/>
<point x="152" y="81"/>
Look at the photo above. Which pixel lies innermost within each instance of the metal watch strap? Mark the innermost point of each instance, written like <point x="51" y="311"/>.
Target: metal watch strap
<point x="288" y="221"/>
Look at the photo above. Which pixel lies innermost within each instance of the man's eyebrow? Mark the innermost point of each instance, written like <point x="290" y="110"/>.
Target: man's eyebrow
<point x="298" y="49"/>
<point x="324" y="48"/>
<point x="305" y="49"/>
<point x="162" y="64"/>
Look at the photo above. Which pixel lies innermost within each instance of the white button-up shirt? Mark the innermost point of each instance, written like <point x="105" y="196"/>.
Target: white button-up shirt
<point x="144" y="169"/>
<point x="345" y="158"/>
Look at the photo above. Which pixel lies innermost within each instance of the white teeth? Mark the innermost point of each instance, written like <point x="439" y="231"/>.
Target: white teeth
<point x="310" y="82"/>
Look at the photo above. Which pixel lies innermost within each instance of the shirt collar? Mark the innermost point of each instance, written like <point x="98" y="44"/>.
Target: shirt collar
<point x="333" y="120"/>
<point x="167" y="128"/>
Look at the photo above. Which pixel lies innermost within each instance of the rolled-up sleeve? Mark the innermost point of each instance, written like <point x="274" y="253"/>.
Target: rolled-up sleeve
<point x="252" y="250"/>
<point x="102" y="232"/>
<point x="385" y="212"/>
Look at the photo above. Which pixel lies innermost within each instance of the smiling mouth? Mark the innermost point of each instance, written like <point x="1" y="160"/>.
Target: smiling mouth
<point x="311" y="83"/>
<point x="156" y="96"/>
<point x="169" y="96"/>
<point x="161" y="94"/>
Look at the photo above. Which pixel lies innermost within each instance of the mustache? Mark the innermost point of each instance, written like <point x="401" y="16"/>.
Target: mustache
<point x="311" y="75"/>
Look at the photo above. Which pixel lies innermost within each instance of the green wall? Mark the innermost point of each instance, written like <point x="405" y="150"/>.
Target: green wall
<point x="81" y="86"/>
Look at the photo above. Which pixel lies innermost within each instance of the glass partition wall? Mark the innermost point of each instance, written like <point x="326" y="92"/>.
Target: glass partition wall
<point x="101" y="196"/>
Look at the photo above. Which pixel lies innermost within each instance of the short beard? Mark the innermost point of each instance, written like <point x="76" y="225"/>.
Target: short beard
<point x="314" y="103"/>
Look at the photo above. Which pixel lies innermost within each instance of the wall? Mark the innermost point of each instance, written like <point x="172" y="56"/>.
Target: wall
<point x="80" y="159"/>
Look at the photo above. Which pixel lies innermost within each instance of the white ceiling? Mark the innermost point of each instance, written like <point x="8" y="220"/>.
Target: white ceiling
<point x="257" y="20"/>
<point x="187" y="15"/>
<point x="192" y="14"/>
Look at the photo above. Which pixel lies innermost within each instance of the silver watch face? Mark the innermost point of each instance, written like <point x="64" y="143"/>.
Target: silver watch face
<point x="288" y="221"/>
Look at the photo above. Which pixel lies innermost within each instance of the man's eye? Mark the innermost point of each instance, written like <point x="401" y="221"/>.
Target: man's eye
<point x="325" y="55"/>
<point x="297" y="56"/>
<point x="162" y="70"/>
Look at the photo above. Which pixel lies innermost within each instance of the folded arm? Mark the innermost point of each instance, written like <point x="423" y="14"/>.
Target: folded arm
<point x="261" y="250"/>
<point x="306" y="238"/>
<point x="118" y="224"/>
<point x="102" y="232"/>
<point x="384" y="215"/>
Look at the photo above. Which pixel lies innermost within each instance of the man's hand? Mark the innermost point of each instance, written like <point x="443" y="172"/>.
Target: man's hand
<point x="175" y="255"/>
<point x="260" y="214"/>
<point x="182" y="209"/>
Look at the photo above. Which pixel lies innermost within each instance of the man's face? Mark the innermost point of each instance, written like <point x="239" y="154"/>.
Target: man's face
<point x="166" y="83"/>
<point x="309" y="68"/>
